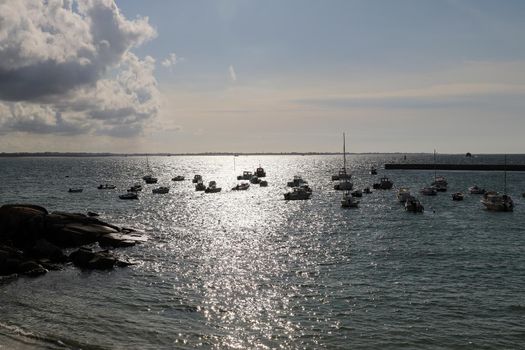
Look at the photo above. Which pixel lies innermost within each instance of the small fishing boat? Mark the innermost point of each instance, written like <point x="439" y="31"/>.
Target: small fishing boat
<point x="296" y="182"/>
<point x="161" y="190"/>
<point x="413" y="205"/>
<point x="298" y="193"/>
<point x="428" y="191"/>
<point x="135" y="188"/>
<point x="246" y="175"/>
<point x="178" y="178"/>
<point x="495" y="201"/>
<point x="259" y="172"/>
<point x="197" y="179"/>
<point x="344" y="186"/>
<point x="403" y="194"/>
<point x="348" y="200"/>
<point x="106" y="187"/>
<point x="458" y="196"/>
<point x="255" y="180"/>
<point x="384" y="184"/>
<point x="150" y="179"/>
<point x="373" y="171"/>
<point x="200" y="186"/>
<point x="367" y="190"/>
<point x="75" y="190"/>
<point x="241" y="187"/>
<point x="440" y="184"/>
<point x="212" y="188"/>
<point x="263" y="183"/>
<point x="129" y="195"/>
<point x="357" y="193"/>
<point x="476" y="190"/>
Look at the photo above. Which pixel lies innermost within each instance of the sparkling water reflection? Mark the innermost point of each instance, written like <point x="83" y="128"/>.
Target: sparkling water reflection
<point x="247" y="269"/>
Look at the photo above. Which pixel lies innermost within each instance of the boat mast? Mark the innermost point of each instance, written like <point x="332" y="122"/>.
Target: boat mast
<point x="505" y="175"/>
<point x="344" y="152"/>
<point x="435" y="164"/>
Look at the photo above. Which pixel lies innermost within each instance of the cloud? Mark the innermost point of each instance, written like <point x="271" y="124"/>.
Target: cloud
<point x="170" y="61"/>
<point x="67" y="68"/>
<point x="233" y="75"/>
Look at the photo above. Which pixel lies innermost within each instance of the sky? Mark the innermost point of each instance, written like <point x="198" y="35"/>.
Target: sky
<point x="262" y="75"/>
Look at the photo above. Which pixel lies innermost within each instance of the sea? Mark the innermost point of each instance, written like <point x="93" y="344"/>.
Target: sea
<point x="249" y="270"/>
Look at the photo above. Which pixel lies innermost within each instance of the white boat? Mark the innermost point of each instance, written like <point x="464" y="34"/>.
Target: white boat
<point x="348" y="201"/>
<point x="197" y="179"/>
<point x="129" y="195"/>
<point x="212" y="188"/>
<point x="298" y="193"/>
<point x="161" y="190"/>
<point x="428" y="191"/>
<point x="296" y="182"/>
<point x="495" y="201"/>
<point x="383" y="184"/>
<point x="476" y="190"/>
<point x="403" y="194"/>
<point x="343" y="173"/>
<point x="414" y="205"/>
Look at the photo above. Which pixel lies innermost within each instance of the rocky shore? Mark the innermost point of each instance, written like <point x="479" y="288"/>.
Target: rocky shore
<point x="33" y="241"/>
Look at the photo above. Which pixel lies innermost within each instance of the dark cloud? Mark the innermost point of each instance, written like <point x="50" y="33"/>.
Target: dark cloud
<point x="68" y="69"/>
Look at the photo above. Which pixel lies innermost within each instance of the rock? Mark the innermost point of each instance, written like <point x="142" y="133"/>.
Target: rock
<point x="21" y="224"/>
<point x="88" y="259"/>
<point x="31" y="269"/>
<point x="92" y="214"/>
<point x="47" y="250"/>
<point x="116" y="240"/>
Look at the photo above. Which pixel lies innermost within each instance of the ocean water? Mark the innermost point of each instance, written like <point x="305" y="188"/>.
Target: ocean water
<point x="250" y="270"/>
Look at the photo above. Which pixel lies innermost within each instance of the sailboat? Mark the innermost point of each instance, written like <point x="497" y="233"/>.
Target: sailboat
<point x="343" y="176"/>
<point x="495" y="201"/>
<point x="343" y="173"/>
<point x="149" y="179"/>
<point x="440" y="182"/>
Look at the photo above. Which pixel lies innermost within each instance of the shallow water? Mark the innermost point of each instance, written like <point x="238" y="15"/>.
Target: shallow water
<point x="249" y="270"/>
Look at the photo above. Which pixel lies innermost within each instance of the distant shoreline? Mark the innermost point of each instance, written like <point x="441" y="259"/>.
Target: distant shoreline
<point x="103" y="154"/>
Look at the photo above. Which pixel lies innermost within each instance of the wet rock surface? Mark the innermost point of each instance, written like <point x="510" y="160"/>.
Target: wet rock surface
<point x="32" y="240"/>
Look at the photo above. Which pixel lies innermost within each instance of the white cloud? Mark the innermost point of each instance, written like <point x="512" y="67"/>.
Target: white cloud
<point x="69" y="69"/>
<point x="170" y="61"/>
<point x="233" y="75"/>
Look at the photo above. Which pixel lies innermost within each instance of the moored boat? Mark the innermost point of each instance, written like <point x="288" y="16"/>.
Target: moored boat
<point x="403" y="194"/>
<point x="384" y="184"/>
<point x="259" y="172"/>
<point x="129" y="195"/>
<point x="241" y="187"/>
<point x="495" y="201"/>
<point x="263" y="183"/>
<point x="296" y="182"/>
<point x="343" y="173"/>
<point x="373" y="171"/>
<point x="476" y="190"/>
<point x="458" y="196"/>
<point x="357" y="193"/>
<point x="178" y="178"/>
<point x="75" y="190"/>
<point x="106" y="187"/>
<point x="150" y="179"/>
<point x="344" y="185"/>
<point x="348" y="200"/>
<point x="298" y="193"/>
<point x="246" y="175"/>
<point x="413" y="205"/>
<point x="161" y="190"/>
<point x="428" y="191"/>
<point x="212" y="188"/>
<point x="367" y="190"/>
<point x="197" y="178"/>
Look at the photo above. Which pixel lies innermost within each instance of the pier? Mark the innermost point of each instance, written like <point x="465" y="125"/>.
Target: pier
<point x="432" y="166"/>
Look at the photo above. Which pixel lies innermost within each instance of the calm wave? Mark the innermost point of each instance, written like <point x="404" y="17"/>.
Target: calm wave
<point x="249" y="270"/>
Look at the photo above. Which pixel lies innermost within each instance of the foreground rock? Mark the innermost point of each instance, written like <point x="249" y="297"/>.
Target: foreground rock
<point x="32" y="239"/>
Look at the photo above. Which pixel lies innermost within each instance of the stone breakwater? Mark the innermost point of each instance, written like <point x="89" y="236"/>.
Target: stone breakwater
<point x="33" y="241"/>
